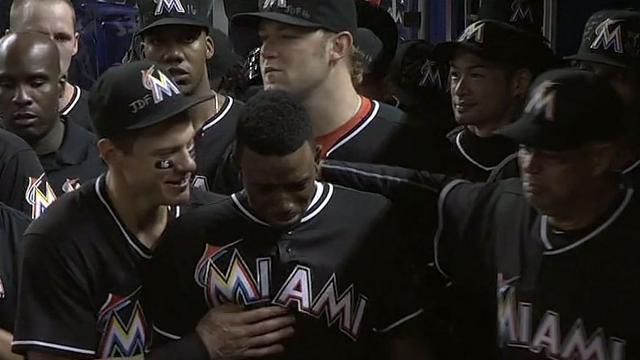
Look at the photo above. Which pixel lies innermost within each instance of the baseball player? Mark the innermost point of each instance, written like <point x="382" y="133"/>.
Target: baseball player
<point x="284" y="241"/>
<point x="57" y="20"/>
<point x="550" y="256"/>
<point x="176" y="34"/>
<point x="492" y="65"/>
<point x="12" y="224"/>
<point x="21" y="174"/>
<point x="31" y="86"/>
<point x="610" y="48"/>
<point x="80" y="290"/>
<point x="307" y="49"/>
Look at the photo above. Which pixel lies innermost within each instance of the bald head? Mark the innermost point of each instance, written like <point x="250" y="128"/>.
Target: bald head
<point x="31" y="85"/>
<point x="53" y="18"/>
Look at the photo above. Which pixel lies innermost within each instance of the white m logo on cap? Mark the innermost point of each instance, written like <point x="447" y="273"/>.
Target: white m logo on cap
<point x="605" y="38"/>
<point x="543" y="99"/>
<point x="158" y="86"/>
<point x="169" y="5"/>
<point x="475" y="31"/>
<point x="521" y="11"/>
<point x="271" y="3"/>
<point x="431" y="75"/>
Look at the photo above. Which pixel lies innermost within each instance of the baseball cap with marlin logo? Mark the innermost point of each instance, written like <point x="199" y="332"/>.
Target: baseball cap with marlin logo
<point x="135" y="96"/>
<point x="155" y="13"/>
<point x="332" y="15"/>
<point x="611" y="37"/>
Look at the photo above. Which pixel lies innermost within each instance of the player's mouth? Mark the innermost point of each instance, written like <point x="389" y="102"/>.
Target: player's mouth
<point x="179" y="183"/>
<point x="24" y="118"/>
<point x="463" y="106"/>
<point x="179" y="75"/>
<point x="286" y="220"/>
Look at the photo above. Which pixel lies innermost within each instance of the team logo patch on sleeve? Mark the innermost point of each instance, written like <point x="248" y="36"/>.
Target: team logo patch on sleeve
<point x="123" y="327"/>
<point x="39" y="195"/>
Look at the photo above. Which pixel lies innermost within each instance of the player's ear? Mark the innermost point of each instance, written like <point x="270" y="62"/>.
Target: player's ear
<point x="520" y="82"/>
<point x="76" y="43"/>
<point x="61" y="83"/>
<point x="340" y="46"/>
<point x="605" y="157"/>
<point x="210" y="47"/>
<point x="108" y="151"/>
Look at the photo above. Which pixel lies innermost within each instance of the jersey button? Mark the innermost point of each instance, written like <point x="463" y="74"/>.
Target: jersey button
<point x="289" y="251"/>
<point x="289" y="232"/>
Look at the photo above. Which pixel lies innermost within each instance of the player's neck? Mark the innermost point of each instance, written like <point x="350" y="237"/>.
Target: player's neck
<point x="52" y="141"/>
<point x="67" y="95"/>
<point x="200" y="113"/>
<point x="331" y="105"/>
<point x="141" y="217"/>
<point x="585" y="211"/>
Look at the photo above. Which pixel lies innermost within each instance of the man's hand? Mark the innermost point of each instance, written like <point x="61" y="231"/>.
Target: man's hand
<point x="229" y="332"/>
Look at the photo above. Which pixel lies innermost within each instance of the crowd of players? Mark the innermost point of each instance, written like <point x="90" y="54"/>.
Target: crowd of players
<point x="321" y="199"/>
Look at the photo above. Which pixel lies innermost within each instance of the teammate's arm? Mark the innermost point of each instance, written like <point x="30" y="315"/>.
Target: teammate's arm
<point x="5" y="347"/>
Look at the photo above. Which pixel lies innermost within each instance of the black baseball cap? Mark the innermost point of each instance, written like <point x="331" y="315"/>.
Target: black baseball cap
<point x="155" y="13"/>
<point x="371" y="46"/>
<point x="332" y="15"/>
<point x="523" y="14"/>
<point x="135" y="96"/>
<point x="566" y="109"/>
<point x="611" y="37"/>
<point x="500" y="42"/>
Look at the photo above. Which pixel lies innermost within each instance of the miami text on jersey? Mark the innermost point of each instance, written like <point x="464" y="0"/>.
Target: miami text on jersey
<point x="239" y="285"/>
<point x="123" y="327"/>
<point x="517" y="330"/>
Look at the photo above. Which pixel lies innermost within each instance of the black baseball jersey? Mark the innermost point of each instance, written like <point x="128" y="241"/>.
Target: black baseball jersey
<point x="213" y="139"/>
<point x="481" y="159"/>
<point x="23" y="184"/>
<point x="76" y="161"/>
<point x="77" y="110"/>
<point x="336" y="270"/>
<point x="381" y="135"/>
<point x="12" y="225"/>
<point x="80" y="293"/>
<point x="555" y="295"/>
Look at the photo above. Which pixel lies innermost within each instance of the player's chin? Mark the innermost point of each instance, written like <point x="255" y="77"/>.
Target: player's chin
<point x="176" y="194"/>
<point x="284" y="223"/>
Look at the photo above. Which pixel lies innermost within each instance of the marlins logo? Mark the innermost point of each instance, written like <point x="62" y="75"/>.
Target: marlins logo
<point x="168" y="5"/>
<point x="521" y="12"/>
<point x="158" y="86"/>
<point x="123" y="327"/>
<point x="39" y="195"/>
<point x="474" y="31"/>
<point x="609" y="35"/>
<point x="71" y="185"/>
<point x="543" y="99"/>
<point x="432" y="76"/>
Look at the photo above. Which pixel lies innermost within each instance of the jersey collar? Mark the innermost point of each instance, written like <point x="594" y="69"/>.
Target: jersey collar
<point x="75" y="97"/>
<point x="321" y="197"/>
<point x="132" y="240"/>
<point x="544" y="228"/>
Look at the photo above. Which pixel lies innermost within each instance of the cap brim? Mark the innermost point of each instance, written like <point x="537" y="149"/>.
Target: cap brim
<point x="597" y="58"/>
<point x="172" y="21"/>
<point x="252" y="20"/>
<point x="184" y="104"/>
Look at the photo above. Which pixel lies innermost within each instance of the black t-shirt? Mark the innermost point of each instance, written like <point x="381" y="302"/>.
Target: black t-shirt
<point x="554" y="295"/>
<point x="12" y="225"/>
<point x="339" y="275"/>
<point x="213" y="139"/>
<point x="81" y="288"/>
<point x="633" y="173"/>
<point x="76" y="161"/>
<point x="20" y="175"/>
<point x="77" y="110"/>
<point x="481" y="159"/>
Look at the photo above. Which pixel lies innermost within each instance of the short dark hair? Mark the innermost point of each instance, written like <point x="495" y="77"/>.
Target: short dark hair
<point x="273" y="123"/>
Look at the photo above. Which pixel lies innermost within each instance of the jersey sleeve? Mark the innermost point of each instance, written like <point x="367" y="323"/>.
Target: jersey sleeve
<point x="14" y="179"/>
<point x="56" y="314"/>
<point x="172" y="298"/>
